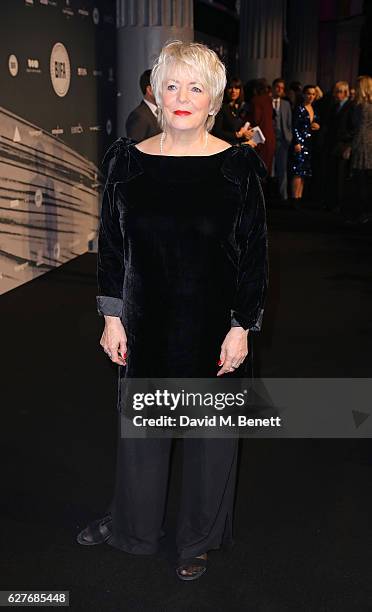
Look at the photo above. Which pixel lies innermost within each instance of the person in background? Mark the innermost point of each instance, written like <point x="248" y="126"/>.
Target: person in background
<point x="142" y="122"/>
<point x="295" y="94"/>
<point x="323" y="107"/>
<point x="361" y="150"/>
<point x="261" y="114"/>
<point x="352" y="94"/>
<point x="304" y="124"/>
<point x="283" y="135"/>
<point x="339" y="135"/>
<point x="317" y="191"/>
<point x="231" y="119"/>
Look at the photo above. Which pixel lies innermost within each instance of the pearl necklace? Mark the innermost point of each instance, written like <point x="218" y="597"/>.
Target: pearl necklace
<point x="162" y="138"/>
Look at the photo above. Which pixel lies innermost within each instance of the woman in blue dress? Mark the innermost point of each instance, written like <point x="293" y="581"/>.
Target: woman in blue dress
<point x="304" y="123"/>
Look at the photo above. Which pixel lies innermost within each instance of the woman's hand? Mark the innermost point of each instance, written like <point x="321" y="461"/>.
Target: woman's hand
<point x="114" y="340"/>
<point x="297" y="148"/>
<point x="315" y="126"/>
<point x="248" y="133"/>
<point x="234" y="350"/>
<point x="251" y="143"/>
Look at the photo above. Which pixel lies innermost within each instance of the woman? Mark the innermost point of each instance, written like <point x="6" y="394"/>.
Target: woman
<point x="230" y="120"/>
<point x="182" y="273"/>
<point x="304" y="124"/>
<point x="262" y="115"/>
<point x="361" y="149"/>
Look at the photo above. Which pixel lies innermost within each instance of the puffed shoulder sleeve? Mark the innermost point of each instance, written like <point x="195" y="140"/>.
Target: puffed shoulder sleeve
<point x="251" y="241"/>
<point x="110" y="260"/>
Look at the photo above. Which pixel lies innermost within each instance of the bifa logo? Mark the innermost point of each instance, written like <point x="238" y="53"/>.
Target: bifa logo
<point x="60" y="69"/>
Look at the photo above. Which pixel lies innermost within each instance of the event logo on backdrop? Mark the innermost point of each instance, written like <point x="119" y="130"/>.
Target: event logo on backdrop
<point x="13" y="65"/>
<point x="60" y="70"/>
<point x="57" y="107"/>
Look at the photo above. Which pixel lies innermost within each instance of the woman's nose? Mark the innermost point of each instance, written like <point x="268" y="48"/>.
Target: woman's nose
<point x="182" y="94"/>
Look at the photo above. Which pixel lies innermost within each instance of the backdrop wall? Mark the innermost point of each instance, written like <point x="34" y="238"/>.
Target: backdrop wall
<point x="57" y="116"/>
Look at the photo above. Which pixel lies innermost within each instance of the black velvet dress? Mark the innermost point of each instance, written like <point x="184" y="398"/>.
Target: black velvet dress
<point x="182" y="257"/>
<point x="182" y="251"/>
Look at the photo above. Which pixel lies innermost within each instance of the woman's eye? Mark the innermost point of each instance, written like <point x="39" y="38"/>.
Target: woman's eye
<point x="196" y="89"/>
<point x="170" y="87"/>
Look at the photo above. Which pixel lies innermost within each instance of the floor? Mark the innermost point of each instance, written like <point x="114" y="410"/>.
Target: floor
<point x="303" y="507"/>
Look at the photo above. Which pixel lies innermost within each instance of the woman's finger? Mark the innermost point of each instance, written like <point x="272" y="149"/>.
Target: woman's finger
<point x="122" y="351"/>
<point x="226" y="367"/>
<point x="114" y="355"/>
<point x="222" y="356"/>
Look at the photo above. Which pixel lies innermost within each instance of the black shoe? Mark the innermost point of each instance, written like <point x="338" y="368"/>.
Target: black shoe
<point x="200" y="567"/>
<point x="97" y="532"/>
<point x="365" y="218"/>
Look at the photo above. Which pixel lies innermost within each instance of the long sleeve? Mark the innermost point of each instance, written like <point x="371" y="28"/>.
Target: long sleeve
<point x="301" y="125"/>
<point x="297" y="127"/>
<point x="251" y="239"/>
<point x="110" y="264"/>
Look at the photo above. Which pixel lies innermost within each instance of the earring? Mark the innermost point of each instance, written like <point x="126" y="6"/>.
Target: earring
<point x="211" y="113"/>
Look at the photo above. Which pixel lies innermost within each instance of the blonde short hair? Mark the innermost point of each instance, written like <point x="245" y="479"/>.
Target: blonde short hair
<point x="363" y="89"/>
<point x="194" y="56"/>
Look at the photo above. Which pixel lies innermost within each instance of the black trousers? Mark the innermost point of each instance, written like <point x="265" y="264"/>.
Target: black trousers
<point x="207" y="494"/>
<point x="280" y="165"/>
<point x="338" y="171"/>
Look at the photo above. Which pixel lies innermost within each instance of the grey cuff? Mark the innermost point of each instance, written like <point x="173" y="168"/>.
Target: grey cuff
<point x="255" y="326"/>
<point x="110" y="306"/>
<point x="234" y="322"/>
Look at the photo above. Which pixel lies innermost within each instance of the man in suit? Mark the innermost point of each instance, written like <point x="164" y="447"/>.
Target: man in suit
<point x="338" y="138"/>
<point x="283" y="131"/>
<point x="142" y="122"/>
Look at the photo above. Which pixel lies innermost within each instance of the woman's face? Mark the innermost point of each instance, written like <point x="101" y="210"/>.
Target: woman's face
<point x="186" y="102"/>
<point x="233" y="92"/>
<point x="309" y="95"/>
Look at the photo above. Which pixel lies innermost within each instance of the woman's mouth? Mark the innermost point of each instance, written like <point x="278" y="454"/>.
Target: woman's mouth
<point x="181" y="113"/>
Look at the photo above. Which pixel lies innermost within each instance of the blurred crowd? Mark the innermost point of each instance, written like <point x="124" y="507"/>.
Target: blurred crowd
<point x="317" y="146"/>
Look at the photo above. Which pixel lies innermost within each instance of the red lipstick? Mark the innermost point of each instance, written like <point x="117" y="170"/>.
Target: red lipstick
<point x="181" y="112"/>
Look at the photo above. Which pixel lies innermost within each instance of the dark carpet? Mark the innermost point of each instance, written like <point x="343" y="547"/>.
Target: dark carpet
<point x="303" y="507"/>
